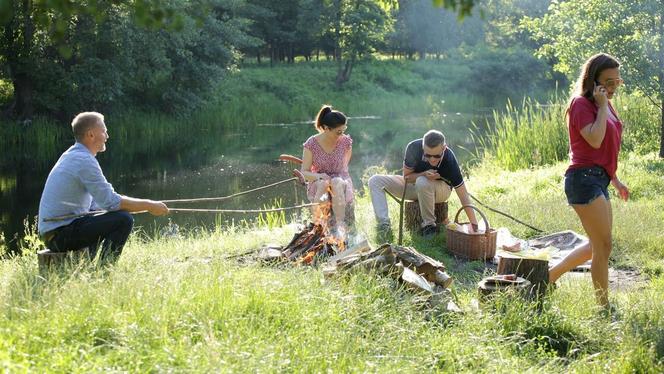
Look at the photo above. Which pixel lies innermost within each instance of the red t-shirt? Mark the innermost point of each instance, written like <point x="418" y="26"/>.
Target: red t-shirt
<point x="583" y="112"/>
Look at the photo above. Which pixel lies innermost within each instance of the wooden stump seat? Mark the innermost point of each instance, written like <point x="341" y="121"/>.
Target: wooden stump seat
<point x="534" y="270"/>
<point x="50" y="260"/>
<point x="413" y="217"/>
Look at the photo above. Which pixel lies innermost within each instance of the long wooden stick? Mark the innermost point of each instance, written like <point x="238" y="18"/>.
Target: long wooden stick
<point x="505" y="214"/>
<point x="243" y="210"/>
<point x="201" y="199"/>
<point x="96" y="212"/>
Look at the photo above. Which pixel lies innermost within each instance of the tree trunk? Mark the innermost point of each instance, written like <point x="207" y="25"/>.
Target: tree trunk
<point x="661" y="81"/>
<point x="343" y="75"/>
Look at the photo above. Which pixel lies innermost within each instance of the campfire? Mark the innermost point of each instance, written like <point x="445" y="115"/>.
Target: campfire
<point x="315" y="242"/>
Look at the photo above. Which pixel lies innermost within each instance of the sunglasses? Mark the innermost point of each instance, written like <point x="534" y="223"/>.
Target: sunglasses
<point x="613" y="83"/>
<point x="426" y="155"/>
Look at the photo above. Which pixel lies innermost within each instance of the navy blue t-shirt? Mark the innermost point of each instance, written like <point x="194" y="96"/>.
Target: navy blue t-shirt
<point x="448" y="168"/>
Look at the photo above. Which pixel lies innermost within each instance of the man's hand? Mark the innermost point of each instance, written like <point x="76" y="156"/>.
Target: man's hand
<point x="157" y="208"/>
<point x="432" y="175"/>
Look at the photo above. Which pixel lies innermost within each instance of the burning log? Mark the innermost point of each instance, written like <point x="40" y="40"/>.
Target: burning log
<point x="312" y="242"/>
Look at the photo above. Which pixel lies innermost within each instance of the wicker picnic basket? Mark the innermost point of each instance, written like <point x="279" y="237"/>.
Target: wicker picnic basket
<point x="474" y="246"/>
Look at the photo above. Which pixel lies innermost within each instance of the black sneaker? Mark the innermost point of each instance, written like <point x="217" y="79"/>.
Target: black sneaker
<point x="429" y="231"/>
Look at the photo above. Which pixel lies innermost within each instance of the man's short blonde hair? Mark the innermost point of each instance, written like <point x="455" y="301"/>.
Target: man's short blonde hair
<point x="433" y="138"/>
<point x="84" y="122"/>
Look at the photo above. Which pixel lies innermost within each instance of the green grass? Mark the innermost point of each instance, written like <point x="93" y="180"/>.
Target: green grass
<point x="534" y="134"/>
<point x="182" y="304"/>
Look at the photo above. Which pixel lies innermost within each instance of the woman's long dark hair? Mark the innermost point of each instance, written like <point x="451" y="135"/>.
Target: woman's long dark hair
<point x="590" y="71"/>
<point x="329" y="118"/>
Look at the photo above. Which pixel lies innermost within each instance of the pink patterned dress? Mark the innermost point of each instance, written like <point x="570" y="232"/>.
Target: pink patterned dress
<point x="332" y="164"/>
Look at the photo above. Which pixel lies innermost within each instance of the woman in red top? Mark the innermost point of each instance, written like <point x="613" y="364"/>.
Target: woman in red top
<point x="325" y="164"/>
<point x="594" y="133"/>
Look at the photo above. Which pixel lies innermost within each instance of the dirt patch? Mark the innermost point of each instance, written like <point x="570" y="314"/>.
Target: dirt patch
<point x="619" y="279"/>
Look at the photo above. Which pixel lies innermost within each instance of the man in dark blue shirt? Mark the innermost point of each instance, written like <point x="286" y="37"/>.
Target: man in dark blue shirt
<point x="431" y="165"/>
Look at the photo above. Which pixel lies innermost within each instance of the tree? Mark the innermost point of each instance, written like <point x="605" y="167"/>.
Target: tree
<point x="632" y="30"/>
<point x="35" y="32"/>
<point x="106" y="56"/>
<point x="462" y="7"/>
<point x="357" y="27"/>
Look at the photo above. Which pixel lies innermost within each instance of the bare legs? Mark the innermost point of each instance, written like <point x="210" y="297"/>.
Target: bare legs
<point x="597" y="221"/>
<point x="338" y="189"/>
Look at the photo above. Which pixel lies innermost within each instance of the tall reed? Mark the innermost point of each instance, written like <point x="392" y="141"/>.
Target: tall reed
<point x="531" y="135"/>
<point x="536" y="134"/>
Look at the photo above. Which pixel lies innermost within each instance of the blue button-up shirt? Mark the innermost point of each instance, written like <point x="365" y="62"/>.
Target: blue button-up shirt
<point x="75" y="185"/>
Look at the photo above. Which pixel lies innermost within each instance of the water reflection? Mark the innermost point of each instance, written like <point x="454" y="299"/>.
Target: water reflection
<point x="210" y="163"/>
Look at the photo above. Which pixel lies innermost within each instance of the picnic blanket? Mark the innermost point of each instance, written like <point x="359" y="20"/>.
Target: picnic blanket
<point x="554" y="247"/>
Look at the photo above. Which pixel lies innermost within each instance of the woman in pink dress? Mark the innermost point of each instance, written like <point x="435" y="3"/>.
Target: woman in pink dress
<point x="325" y="163"/>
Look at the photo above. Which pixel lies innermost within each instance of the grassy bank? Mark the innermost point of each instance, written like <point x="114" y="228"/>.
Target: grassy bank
<point x="181" y="304"/>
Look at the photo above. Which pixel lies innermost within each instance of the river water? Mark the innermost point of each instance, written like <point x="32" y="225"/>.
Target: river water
<point x="206" y="163"/>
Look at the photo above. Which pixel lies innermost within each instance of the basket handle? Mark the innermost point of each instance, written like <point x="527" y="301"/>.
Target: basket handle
<point x="486" y="221"/>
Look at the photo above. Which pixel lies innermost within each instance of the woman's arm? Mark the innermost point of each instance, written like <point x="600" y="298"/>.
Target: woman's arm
<point x="307" y="161"/>
<point x="623" y="191"/>
<point x="594" y="132"/>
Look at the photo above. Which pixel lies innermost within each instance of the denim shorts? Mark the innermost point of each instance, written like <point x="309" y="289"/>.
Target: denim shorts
<point x="583" y="185"/>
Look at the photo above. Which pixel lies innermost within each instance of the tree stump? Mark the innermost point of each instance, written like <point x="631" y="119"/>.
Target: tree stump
<point x="50" y="261"/>
<point x="413" y="217"/>
<point x="487" y="288"/>
<point x="536" y="271"/>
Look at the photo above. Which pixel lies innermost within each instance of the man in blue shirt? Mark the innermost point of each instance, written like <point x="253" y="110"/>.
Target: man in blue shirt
<point x="433" y="168"/>
<point x="75" y="186"/>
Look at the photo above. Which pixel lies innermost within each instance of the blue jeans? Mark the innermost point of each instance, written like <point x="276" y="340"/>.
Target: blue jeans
<point x="111" y="230"/>
<point x="583" y="185"/>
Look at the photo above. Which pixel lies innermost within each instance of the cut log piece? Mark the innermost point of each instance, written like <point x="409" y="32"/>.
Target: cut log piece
<point x="486" y="287"/>
<point x="413" y="217"/>
<point x="534" y="270"/>
<point x="50" y="261"/>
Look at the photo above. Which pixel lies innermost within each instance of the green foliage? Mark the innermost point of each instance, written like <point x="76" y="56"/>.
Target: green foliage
<point x="536" y="134"/>
<point x="112" y="61"/>
<point x="572" y="31"/>
<point x="272" y="220"/>
<point x="640" y="123"/>
<point x="524" y="137"/>
<point x="463" y="7"/>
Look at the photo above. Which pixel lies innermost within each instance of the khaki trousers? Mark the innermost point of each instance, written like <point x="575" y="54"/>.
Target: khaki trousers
<point x="425" y="191"/>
